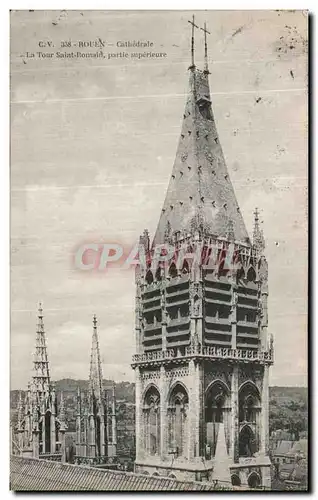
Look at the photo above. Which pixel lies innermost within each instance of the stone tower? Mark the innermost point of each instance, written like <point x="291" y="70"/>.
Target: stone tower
<point x="202" y="347"/>
<point x="40" y="428"/>
<point x="96" y="439"/>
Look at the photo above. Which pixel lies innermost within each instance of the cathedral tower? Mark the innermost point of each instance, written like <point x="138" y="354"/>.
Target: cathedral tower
<point x="95" y="443"/>
<point x="40" y="430"/>
<point x="202" y="347"/>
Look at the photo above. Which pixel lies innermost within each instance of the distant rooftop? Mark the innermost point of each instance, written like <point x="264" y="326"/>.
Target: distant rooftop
<point x="30" y="474"/>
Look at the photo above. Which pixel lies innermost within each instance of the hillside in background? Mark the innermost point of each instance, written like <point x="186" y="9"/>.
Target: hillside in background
<point x="288" y="406"/>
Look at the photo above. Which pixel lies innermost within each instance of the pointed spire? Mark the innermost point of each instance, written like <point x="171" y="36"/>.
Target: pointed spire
<point x="95" y="375"/>
<point x="200" y="193"/>
<point x="258" y="236"/>
<point x="41" y="377"/>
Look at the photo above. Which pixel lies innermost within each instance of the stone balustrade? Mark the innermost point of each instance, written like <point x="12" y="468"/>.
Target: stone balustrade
<point x="240" y="355"/>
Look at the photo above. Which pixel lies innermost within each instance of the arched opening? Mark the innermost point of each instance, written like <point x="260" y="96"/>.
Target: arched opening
<point x="47" y="432"/>
<point x="249" y="413"/>
<point x="240" y="275"/>
<point x="249" y="403"/>
<point x="177" y="418"/>
<point x="216" y="405"/>
<point x="173" y="273"/>
<point x="151" y="421"/>
<point x="251" y="275"/>
<point x="158" y="274"/>
<point x="155" y="474"/>
<point x="149" y="277"/>
<point x="185" y="267"/>
<point x="247" y="442"/>
<point x="172" y="476"/>
<point x="145" y="473"/>
<point x="254" y="480"/>
<point x="235" y="480"/>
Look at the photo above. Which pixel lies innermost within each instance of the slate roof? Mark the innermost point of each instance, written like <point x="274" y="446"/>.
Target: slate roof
<point x="300" y="446"/>
<point x="200" y="191"/>
<point x="30" y="474"/>
<point x="283" y="447"/>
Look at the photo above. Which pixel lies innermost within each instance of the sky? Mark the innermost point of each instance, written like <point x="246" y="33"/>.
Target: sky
<point x="92" y="148"/>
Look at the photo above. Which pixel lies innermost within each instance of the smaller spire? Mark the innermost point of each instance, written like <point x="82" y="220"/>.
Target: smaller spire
<point x="95" y="375"/>
<point x="258" y="237"/>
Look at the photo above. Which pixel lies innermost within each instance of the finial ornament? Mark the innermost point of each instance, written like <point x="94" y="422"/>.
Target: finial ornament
<point x="192" y="42"/>
<point x="206" y="67"/>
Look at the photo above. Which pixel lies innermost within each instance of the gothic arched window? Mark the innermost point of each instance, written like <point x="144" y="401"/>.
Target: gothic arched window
<point x="151" y="421"/>
<point x="47" y="432"/>
<point x="216" y="403"/>
<point x="149" y="277"/>
<point x="249" y="403"/>
<point x="185" y="267"/>
<point x="158" y="274"/>
<point x="247" y="442"/>
<point x="249" y="413"/>
<point x="251" y="275"/>
<point x="177" y="417"/>
<point x="173" y="271"/>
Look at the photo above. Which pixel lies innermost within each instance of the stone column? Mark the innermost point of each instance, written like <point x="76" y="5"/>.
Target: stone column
<point x="91" y="436"/>
<point x="138" y="410"/>
<point x="235" y="415"/>
<point x="63" y="444"/>
<point x="234" y="316"/>
<point x="78" y="425"/>
<point x="35" y="443"/>
<point x="114" y="423"/>
<point x="102" y="444"/>
<point x="53" y="435"/>
<point x="163" y="319"/>
<point x="264" y="441"/>
<point x="195" y="411"/>
<point x="163" y="414"/>
<point x="44" y="450"/>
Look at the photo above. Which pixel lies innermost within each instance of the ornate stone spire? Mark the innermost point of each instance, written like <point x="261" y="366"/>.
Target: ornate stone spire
<point x="200" y="188"/>
<point x="95" y="375"/>
<point x="258" y="236"/>
<point x="41" y="376"/>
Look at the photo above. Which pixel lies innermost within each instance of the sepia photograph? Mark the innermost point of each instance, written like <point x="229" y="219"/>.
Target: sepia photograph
<point x="159" y="250"/>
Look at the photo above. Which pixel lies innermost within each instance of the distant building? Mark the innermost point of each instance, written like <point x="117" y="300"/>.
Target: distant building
<point x="96" y="427"/>
<point x="41" y="426"/>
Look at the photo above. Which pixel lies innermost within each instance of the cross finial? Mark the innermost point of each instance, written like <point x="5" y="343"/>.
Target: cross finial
<point x="206" y="69"/>
<point x="94" y="321"/>
<point x="192" y="42"/>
